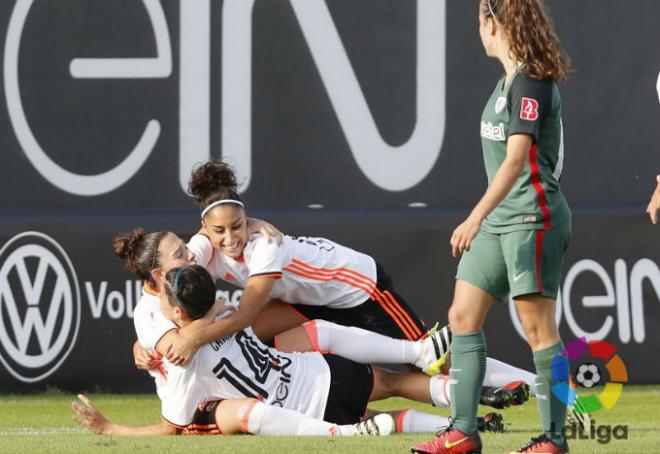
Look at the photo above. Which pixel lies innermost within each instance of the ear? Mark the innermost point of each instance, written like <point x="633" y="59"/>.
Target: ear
<point x="156" y="275"/>
<point x="493" y="26"/>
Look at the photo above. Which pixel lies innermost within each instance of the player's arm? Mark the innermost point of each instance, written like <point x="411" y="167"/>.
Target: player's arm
<point x="86" y="414"/>
<point x="179" y="349"/>
<point x="144" y="359"/>
<point x="517" y="150"/>
<point x="267" y="230"/>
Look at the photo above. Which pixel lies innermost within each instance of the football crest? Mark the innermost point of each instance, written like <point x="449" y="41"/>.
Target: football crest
<point x="499" y="104"/>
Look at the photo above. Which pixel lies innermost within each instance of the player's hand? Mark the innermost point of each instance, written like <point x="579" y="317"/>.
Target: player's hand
<point x="463" y="235"/>
<point x="145" y="359"/>
<point x="86" y="414"/>
<point x="654" y="204"/>
<point x="268" y="231"/>
<point x="183" y="348"/>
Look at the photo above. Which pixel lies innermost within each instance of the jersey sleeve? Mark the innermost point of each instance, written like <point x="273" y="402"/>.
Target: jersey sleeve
<point x="265" y="258"/>
<point x="530" y="102"/>
<point x="202" y="248"/>
<point x="150" y="326"/>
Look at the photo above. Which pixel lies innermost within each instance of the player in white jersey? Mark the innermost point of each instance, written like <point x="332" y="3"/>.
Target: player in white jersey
<point x="239" y="365"/>
<point x="318" y="278"/>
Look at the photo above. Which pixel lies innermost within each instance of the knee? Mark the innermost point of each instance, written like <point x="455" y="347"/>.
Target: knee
<point x="460" y="320"/>
<point x="540" y="335"/>
<point x="388" y="384"/>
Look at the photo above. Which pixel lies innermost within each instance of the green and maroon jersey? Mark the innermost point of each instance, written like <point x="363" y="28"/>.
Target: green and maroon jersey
<point x="533" y="107"/>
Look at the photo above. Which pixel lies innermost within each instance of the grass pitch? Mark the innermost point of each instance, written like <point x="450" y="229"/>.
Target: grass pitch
<point x="42" y="423"/>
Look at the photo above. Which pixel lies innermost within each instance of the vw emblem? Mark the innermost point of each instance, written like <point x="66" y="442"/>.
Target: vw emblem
<point x="39" y="306"/>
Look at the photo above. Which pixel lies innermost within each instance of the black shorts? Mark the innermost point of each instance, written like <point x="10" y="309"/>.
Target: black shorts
<point x="388" y="314"/>
<point x="204" y="422"/>
<point x="350" y="387"/>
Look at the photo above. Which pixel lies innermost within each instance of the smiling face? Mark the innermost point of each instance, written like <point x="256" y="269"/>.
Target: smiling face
<point x="172" y="253"/>
<point x="226" y="226"/>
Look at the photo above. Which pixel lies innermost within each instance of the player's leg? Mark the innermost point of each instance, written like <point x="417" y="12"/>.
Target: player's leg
<point x="364" y="346"/>
<point x="275" y="318"/>
<point x="410" y="420"/>
<point x="538" y="257"/>
<point x="252" y="416"/>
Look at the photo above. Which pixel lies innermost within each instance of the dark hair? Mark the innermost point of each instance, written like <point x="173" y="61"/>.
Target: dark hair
<point x="532" y="39"/>
<point x="140" y="252"/>
<point x="213" y="181"/>
<point x="192" y="289"/>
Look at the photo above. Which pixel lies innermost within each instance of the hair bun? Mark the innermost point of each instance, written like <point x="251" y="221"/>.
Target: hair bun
<point x="211" y="178"/>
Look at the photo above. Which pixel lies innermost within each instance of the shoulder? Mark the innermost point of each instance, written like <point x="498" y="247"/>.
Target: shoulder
<point x="523" y="85"/>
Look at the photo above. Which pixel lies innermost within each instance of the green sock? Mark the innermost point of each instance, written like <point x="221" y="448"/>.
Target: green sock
<point x="468" y="366"/>
<point x="552" y="409"/>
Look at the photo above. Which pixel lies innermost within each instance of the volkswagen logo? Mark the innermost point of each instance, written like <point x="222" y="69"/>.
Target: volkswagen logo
<point x="39" y="306"/>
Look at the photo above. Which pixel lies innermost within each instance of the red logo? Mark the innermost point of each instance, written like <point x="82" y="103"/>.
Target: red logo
<point x="529" y="110"/>
<point x="228" y="277"/>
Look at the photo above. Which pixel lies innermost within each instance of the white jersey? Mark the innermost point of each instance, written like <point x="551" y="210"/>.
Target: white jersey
<point x="312" y="271"/>
<point x="241" y="366"/>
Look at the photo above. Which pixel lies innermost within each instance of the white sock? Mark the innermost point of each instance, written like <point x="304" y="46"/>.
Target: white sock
<point x="439" y="390"/>
<point x="500" y="374"/>
<point x="360" y="345"/>
<point x="413" y="421"/>
<point x="261" y="419"/>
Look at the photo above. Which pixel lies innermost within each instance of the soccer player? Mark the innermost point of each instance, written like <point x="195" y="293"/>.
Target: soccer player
<point x="515" y="237"/>
<point x="654" y="204"/>
<point x="240" y="366"/>
<point x="327" y="280"/>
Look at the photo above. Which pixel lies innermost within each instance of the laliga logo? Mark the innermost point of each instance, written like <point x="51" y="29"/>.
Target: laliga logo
<point x="588" y="375"/>
<point x="39" y="306"/>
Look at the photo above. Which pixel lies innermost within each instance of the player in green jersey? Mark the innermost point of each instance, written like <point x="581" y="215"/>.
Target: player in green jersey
<point x="514" y="240"/>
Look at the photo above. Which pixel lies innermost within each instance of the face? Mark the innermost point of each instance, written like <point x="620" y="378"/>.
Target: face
<point x="226" y="226"/>
<point x="486" y="32"/>
<point x="172" y="253"/>
<point x="171" y="311"/>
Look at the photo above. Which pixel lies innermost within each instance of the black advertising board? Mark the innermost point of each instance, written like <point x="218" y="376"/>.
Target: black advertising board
<point x="352" y="120"/>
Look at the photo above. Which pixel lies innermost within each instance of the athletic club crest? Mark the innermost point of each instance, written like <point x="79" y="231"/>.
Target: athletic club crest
<point x="499" y="104"/>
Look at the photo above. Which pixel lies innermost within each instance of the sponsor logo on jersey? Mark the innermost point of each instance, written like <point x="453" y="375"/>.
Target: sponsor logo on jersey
<point x="500" y="104"/>
<point x="39" y="306"/>
<point x="529" y="109"/>
<point x="492" y="132"/>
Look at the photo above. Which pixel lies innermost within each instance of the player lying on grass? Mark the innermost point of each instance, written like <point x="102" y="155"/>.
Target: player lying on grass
<point x="325" y="387"/>
<point x="156" y="332"/>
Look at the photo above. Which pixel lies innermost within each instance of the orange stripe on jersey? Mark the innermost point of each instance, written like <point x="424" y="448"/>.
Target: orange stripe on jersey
<point x="340" y="274"/>
<point x="403" y="314"/>
<point x="313" y="269"/>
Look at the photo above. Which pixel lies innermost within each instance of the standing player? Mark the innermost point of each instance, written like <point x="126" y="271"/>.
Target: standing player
<point x="515" y="238"/>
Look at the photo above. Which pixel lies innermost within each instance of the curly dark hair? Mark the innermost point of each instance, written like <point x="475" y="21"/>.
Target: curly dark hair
<point x="533" y="41"/>
<point x="213" y="181"/>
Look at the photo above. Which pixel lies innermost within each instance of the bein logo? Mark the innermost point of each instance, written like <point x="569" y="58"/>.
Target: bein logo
<point x="39" y="306"/>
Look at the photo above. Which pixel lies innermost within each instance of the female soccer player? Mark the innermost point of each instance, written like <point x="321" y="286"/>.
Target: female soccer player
<point x="515" y="238"/>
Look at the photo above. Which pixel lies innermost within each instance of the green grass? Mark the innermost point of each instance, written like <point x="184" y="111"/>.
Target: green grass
<point x="42" y="424"/>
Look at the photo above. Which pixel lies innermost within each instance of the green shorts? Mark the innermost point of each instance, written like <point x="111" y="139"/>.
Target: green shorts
<point x="517" y="263"/>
